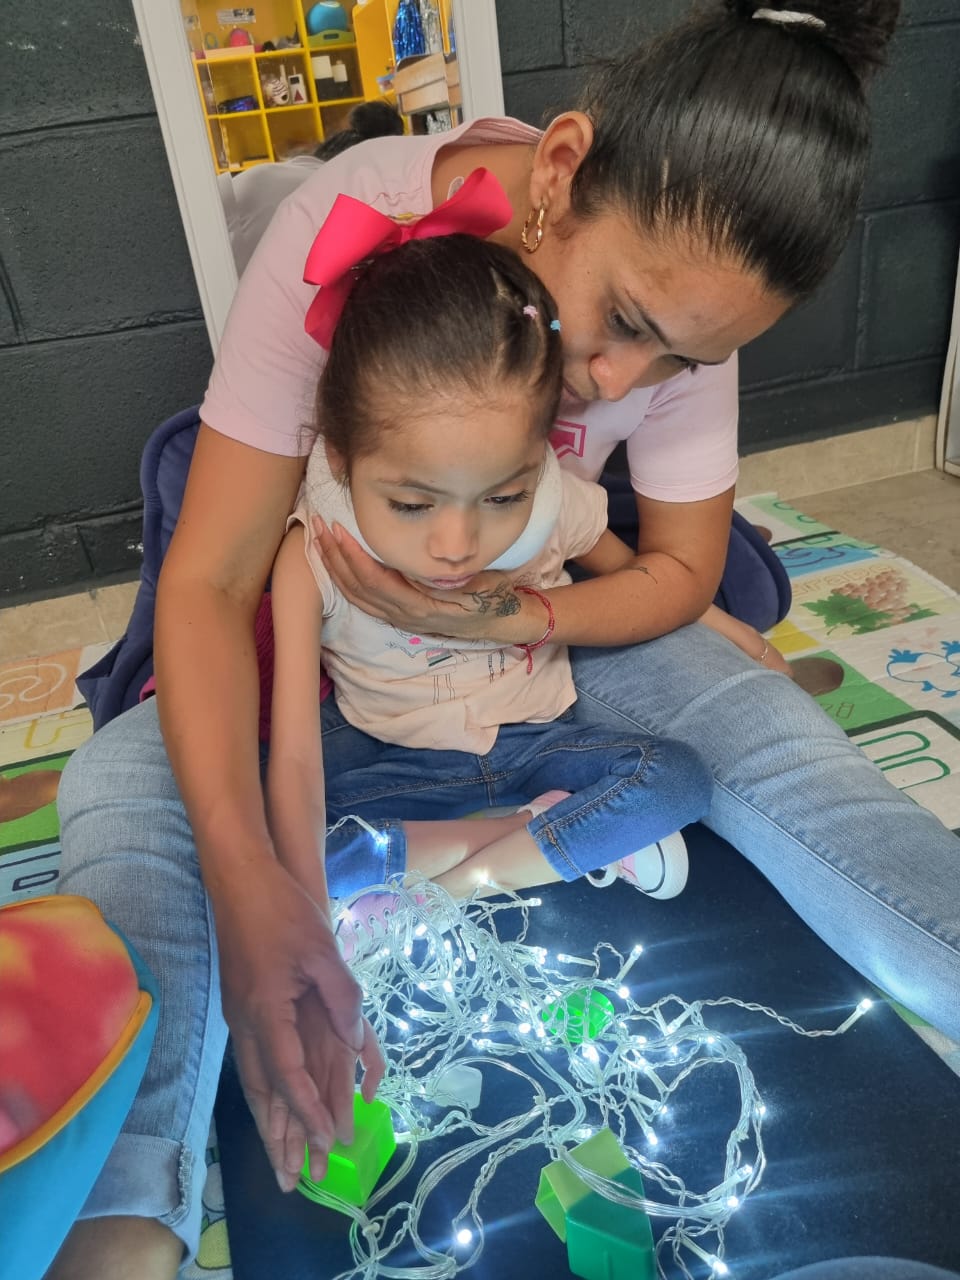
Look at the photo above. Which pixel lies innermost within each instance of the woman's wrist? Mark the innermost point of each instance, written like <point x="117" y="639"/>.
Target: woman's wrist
<point x="500" y="613"/>
<point x="548" y="630"/>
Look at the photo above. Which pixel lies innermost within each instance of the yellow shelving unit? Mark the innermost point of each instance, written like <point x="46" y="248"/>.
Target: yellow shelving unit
<point x="373" y="23"/>
<point x="373" y="26"/>
<point x="225" y="76"/>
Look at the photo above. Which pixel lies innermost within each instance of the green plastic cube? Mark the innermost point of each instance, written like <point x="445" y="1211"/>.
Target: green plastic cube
<point x="354" y="1171"/>
<point x="608" y="1241"/>
<point x="560" y="1188"/>
<point x="580" y="1016"/>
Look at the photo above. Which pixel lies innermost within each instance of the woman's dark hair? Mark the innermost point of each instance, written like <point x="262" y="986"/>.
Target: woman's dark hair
<point x="366" y="120"/>
<point x="751" y="134"/>
<point x="441" y="317"/>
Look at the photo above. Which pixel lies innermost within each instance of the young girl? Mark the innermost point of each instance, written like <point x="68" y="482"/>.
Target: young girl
<point x="433" y="451"/>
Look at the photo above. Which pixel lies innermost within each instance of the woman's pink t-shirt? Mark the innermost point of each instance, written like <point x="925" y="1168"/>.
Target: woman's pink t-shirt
<point x="681" y="436"/>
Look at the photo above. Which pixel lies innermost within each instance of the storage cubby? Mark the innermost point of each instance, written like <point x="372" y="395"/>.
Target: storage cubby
<point x="245" y="123"/>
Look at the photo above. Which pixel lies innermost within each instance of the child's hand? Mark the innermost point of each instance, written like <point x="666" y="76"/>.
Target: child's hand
<point x="294" y="1011"/>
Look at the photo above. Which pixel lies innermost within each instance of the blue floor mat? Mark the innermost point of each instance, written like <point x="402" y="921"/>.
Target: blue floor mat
<point x="862" y="1131"/>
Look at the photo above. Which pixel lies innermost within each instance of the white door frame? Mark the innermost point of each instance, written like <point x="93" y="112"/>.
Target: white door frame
<point x="169" y="65"/>
<point x="948" y="424"/>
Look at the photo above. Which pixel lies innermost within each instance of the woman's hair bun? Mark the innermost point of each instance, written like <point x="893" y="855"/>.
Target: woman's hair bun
<point x="858" y="31"/>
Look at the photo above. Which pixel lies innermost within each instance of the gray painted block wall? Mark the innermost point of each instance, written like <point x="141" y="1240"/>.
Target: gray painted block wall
<point x="101" y="335"/>
<point x="869" y="348"/>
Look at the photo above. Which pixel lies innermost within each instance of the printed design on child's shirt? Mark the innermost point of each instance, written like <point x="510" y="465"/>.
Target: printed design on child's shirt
<point x="568" y="438"/>
<point x="443" y="662"/>
<point x="444" y="690"/>
<point x="420" y="649"/>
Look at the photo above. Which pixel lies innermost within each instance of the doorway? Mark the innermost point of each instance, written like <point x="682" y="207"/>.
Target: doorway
<point x="221" y="79"/>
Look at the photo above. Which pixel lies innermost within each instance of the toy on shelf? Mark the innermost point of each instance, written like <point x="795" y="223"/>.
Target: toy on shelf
<point x="605" y="1240"/>
<point x="408" y="38"/>
<point x="354" y="1171"/>
<point x="274" y="86"/>
<point x="325" y="16"/>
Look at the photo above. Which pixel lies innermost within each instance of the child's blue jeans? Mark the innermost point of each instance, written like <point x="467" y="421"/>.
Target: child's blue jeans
<point x="628" y="789"/>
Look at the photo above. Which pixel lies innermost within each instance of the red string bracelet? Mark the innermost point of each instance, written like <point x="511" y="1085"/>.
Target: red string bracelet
<point x="551" y="625"/>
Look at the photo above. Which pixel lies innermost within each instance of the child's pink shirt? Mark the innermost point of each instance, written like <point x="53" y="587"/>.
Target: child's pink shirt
<point x="681" y="435"/>
<point x="425" y="691"/>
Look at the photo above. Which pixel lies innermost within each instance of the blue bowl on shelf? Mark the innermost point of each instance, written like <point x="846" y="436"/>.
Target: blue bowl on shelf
<point x="328" y="15"/>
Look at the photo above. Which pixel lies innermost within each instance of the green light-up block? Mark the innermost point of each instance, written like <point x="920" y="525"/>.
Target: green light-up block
<point x="605" y="1241"/>
<point x="579" y="1016"/>
<point x="354" y="1171"/>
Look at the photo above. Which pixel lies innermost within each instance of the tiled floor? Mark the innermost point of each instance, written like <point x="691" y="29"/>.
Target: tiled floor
<point x="65" y="622"/>
<point x="916" y="515"/>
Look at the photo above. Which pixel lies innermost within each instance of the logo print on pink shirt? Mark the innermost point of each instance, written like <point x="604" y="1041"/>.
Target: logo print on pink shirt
<point x="568" y="437"/>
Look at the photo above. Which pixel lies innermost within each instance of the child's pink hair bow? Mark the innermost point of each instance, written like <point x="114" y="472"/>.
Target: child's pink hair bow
<point x="354" y="232"/>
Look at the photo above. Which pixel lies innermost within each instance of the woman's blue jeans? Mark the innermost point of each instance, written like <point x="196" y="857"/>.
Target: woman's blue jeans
<point x="877" y="877"/>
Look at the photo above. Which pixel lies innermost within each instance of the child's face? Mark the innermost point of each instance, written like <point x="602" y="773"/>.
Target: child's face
<point x="447" y="493"/>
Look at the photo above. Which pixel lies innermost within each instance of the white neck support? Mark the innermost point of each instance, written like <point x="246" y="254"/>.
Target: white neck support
<point x="327" y="497"/>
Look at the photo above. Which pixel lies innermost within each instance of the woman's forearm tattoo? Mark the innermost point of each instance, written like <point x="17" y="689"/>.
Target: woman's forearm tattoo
<point x="642" y="568"/>
<point x="501" y="600"/>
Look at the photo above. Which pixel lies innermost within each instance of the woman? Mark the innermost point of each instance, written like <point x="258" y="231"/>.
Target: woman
<point x="676" y="217"/>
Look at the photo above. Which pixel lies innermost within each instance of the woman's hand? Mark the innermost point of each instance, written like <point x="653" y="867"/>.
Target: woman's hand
<point x="747" y="638"/>
<point x="771" y="657"/>
<point x="331" y="1063"/>
<point x="294" y="1011"/>
<point x="490" y="610"/>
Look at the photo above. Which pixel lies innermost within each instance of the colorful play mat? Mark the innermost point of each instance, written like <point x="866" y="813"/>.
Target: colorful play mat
<point x="874" y="639"/>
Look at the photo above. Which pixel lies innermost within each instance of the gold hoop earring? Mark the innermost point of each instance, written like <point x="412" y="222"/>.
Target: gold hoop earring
<point x="525" y="233"/>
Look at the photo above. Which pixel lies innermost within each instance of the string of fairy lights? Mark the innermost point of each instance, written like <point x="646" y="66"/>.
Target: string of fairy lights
<point x="467" y="1010"/>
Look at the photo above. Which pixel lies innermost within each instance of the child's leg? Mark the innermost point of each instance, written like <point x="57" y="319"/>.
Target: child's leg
<point x="436" y="849"/>
<point x="461" y="854"/>
<point x="627" y="793"/>
<point x="361" y="853"/>
<point x="511" y="860"/>
<point x="433" y="850"/>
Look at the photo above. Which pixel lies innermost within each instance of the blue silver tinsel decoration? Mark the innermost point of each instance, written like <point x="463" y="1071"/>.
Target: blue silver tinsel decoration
<point x="408" y="37"/>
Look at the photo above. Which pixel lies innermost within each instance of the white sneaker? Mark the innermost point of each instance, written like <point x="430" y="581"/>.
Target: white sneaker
<point x="368" y="923"/>
<point x="365" y="925"/>
<point x="660" y="870"/>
